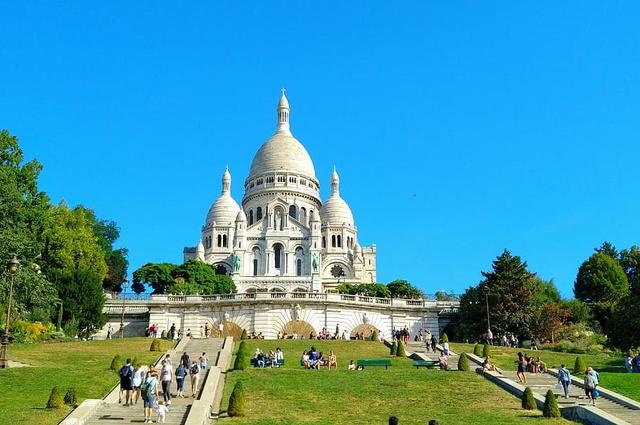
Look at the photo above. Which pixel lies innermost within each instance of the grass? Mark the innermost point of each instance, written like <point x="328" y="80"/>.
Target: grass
<point x="611" y="368"/>
<point x="293" y="395"/>
<point x="82" y="365"/>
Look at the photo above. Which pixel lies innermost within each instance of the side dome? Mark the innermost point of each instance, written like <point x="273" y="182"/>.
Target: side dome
<point x="225" y="209"/>
<point x="335" y="210"/>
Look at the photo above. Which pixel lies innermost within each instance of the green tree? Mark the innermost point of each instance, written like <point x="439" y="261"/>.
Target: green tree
<point x="463" y="363"/>
<point x="625" y="322"/>
<point x="548" y="319"/>
<point x="601" y="283"/>
<point x="445" y="296"/>
<point x="545" y="291"/>
<point x="237" y="401"/>
<point x="402" y="289"/>
<point x="158" y="275"/>
<point x="630" y="262"/>
<point x="528" y="401"/>
<point x="550" y="409"/>
<point x="607" y="248"/>
<point x="579" y="312"/>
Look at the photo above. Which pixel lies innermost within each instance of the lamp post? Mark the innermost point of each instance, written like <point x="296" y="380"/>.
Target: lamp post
<point x="4" y="351"/>
<point x="124" y="298"/>
<point x="486" y="298"/>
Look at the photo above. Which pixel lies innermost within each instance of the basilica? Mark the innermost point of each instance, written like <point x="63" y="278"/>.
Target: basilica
<point x="284" y="238"/>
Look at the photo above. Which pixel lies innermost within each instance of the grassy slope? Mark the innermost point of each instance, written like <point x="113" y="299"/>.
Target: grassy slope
<point x="612" y="373"/>
<point x="83" y="365"/>
<point x="292" y="395"/>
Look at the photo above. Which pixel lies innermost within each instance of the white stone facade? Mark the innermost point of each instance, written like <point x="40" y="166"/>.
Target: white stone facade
<point x="284" y="238"/>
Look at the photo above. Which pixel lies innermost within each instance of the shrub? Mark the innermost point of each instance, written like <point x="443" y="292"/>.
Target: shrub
<point x="374" y="335"/>
<point x="155" y="345"/>
<point x="400" y="352"/>
<point x="580" y="365"/>
<point x="116" y="363"/>
<point x="463" y="362"/>
<point x="445" y="338"/>
<point x="243" y="358"/>
<point x="551" y="409"/>
<point x="244" y="335"/>
<point x="237" y="401"/>
<point x="71" y="328"/>
<point x="528" y="402"/>
<point x="477" y="350"/>
<point x="394" y="348"/>
<point x="56" y="399"/>
<point x="70" y="397"/>
<point x="486" y="351"/>
<point x="242" y="347"/>
<point x="163" y="335"/>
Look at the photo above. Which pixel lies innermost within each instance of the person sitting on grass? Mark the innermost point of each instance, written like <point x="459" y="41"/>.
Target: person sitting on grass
<point x="304" y="360"/>
<point x="259" y="358"/>
<point x="488" y="366"/>
<point x="313" y="358"/>
<point x="444" y="361"/>
<point x="271" y="359"/>
<point x="352" y="365"/>
<point x="333" y="360"/>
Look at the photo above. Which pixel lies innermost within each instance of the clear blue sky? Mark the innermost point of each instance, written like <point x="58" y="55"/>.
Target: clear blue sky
<point x="458" y="128"/>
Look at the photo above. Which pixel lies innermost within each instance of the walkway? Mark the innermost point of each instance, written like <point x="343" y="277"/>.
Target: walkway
<point x="115" y="413"/>
<point x="419" y="350"/>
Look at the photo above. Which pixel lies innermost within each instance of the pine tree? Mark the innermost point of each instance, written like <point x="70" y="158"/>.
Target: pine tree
<point x="237" y="401"/>
<point x="551" y="409"/>
<point x="401" y="351"/>
<point x="374" y="335"/>
<point x="477" y="350"/>
<point x="445" y="338"/>
<point x="528" y="401"/>
<point x="244" y="335"/>
<point x="155" y="345"/>
<point x="70" y="398"/>
<point x="463" y="363"/>
<point x="486" y="351"/>
<point x="116" y="363"/>
<point x="243" y="359"/>
<point x="580" y="366"/>
<point x="56" y="399"/>
<point x="394" y="348"/>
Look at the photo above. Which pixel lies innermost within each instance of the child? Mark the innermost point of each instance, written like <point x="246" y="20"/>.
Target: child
<point x="352" y="366"/>
<point x="162" y="412"/>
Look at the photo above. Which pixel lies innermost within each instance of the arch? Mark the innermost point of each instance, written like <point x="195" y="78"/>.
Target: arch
<point x="303" y="215"/>
<point x="231" y="329"/>
<point x="251" y="290"/>
<point x="224" y="241"/>
<point x="258" y="213"/>
<point x="298" y="327"/>
<point x="255" y="260"/>
<point x="221" y="268"/>
<point x="293" y="211"/>
<point x="278" y="218"/>
<point x="300" y="289"/>
<point x="365" y="329"/>
<point x="324" y="242"/>
<point x="250" y="217"/>
<point x="277" y="289"/>
<point x="333" y="241"/>
<point x="327" y="268"/>
<point x="339" y="241"/>
<point x="277" y="255"/>
<point x="219" y="241"/>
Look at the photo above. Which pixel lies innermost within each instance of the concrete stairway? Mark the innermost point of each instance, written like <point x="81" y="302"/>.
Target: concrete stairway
<point x="420" y="352"/>
<point x="115" y="413"/>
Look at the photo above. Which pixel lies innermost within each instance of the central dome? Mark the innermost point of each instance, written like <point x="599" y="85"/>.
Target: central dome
<point x="282" y="152"/>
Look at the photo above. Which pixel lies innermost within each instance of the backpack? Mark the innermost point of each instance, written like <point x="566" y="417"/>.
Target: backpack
<point x="195" y="369"/>
<point x="125" y="372"/>
<point x="147" y="388"/>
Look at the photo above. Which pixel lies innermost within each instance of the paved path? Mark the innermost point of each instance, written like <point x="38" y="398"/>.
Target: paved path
<point x="114" y="413"/>
<point x="542" y="382"/>
<point x="420" y="350"/>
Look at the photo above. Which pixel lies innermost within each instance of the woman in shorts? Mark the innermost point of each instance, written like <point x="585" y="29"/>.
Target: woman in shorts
<point x="138" y="377"/>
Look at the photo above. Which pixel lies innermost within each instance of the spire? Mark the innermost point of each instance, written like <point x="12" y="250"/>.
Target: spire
<point x="226" y="181"/>
<point x="335" y="182"/>
<point x="283" y="113"/>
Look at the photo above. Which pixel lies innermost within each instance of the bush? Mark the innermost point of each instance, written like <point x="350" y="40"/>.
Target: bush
<point x="374" y="335"/>
<point x="237" y="401"/>
<point x="477" y="350"/>
<point x="486" y="351"/>
<point x="71" y="328"/>
<point x="134" y="362"/>
<point x="56" y="399"/>
<point x="580" y="366"/>
<point x="155" y="345"/>
<point x="550" y="409"/>
<point x="445" y="338"/>
<point x="116" y="363"/>
<point x="401" y="351"/>
<point x="463" y="362"/>
<point x="394" y="348"/>
<point x="243" y="357"/>
<point x="70" y="397"/>
<point x="528" y="402"/>
<point x="244" y="335"/>
<point x="163" y="335"/>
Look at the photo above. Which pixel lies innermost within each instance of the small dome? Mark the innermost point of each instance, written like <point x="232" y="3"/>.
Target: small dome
<point x="241" y="216"/>
<point x="225" y="209"/>
<point x="336" y="210"/>
<point x="357" y="249"/>
<point x="200" y="251"/>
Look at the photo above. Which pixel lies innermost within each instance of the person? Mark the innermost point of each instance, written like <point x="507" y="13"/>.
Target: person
<point x="109" y="331"/>
<point x="195" y="377"/>
<point x="596" y="378"/>
<point x="136" y="382"/>
<point x="162" y="412"/>
<point x="220" y="329"/>
<point x="434" y="342"/>
<point x="126" y="378"/>
<point x="184" y="360"/>
<point x="589" y="386"/>
<point x="204" y="361"/>
<point x="393" y="420"/>
<point x="167" y="358"/>
<point x="488" y="366"/>
<point x="522" y="368"/>
<point x="279" y="357"/>
<point x="206" y="330"/>
<point x="149" y="393"/>
<point x="434" y="422"/>
<point x="304" y="360"/>
<point x="166" y="376"/>
<point x="489" y="336"/>
<point x="564" y="378"/>
<point x="259" y="358"/>
<point x="444" y="362"/>
<point x="172" y="331"/>
<point x="628" y="363"/>
<point x="333" y="360"/>
<point x="352" y="365"/>
<point x="181" y="374"/>
<point x="445" y="348"/>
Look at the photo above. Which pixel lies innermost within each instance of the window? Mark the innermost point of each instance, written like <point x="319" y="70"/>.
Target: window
<point x="259" y="182"/>
<point x="269" y="179"/>
<point x="255" y="267"/>
<point x="303" y="182"/>
<point x="258" y="213"/>
<point x="298" y="267"/>
<point x="250" y="217"/>
<point x="282" y="179"/>
<point x="336" y="271"/>
<point x="251" y="185"/>
<point x="224" y="241"/>
<point x="219" y="241"/>
<point x="277" y="253"/>
<point x="324" y="242"/>
<point x="333" y="241"/>
<point x="339" y="241"/>
<point x="292" y="179"/>
<point x="303" y="215"/>
<point x="292" y="211"/>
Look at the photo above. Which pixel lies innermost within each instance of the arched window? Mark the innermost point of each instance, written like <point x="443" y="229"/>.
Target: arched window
<point x="219" y="241"/>
<point x="250" y="217"/>
<point x="324" y="242"/>
<point x="293" y="211"/>
<point x="339" y="241"/>
<point x="277" y="253"/>
<point x="258" y="213"/>
<point x="224" y="241"/>
<point x="256" y="257"/>
<point x="333" y="241"/>
<point x="299" y="267"/>
<point x="303" y="215"/>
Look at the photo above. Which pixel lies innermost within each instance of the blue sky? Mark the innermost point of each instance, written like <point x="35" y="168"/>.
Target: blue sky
<point x="458" y="129"/>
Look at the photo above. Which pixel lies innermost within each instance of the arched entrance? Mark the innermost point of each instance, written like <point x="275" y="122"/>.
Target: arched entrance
<point x="298" y="327"/>
<point x="365" y="329"/>
<point x="231" y="329"/>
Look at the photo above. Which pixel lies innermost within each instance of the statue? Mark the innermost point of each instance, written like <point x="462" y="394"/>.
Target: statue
<point x="278" y="221"/>
<point x="315" y="262"/>
<point x="295" y="313"/>
<point x="227" y="316"/>
<point x="365" y="319"/>
<point x="236" y="262"/>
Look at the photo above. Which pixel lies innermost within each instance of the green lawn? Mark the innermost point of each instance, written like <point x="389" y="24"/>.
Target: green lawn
<point x="612" y="373"/>
<point x="293" y="395"/>
<point x="83" y="365"/>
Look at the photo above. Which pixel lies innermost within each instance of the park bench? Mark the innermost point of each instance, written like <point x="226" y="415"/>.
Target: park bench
<point x="429" y="364"/>
<point x="254" y="363"/>
<point x="373" y="362"/>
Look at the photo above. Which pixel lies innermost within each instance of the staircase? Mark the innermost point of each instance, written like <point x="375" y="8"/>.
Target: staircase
<point x="420" y="352"/>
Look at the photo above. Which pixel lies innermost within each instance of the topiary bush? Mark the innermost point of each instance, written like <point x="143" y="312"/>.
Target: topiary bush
<point x="477" y="350"/>
<point x="163" y="335"/>
<point x="580" y="366"/>
<point x="445" y="338"/>
<point x="56" y="399"/>
<point x="70" y="398"/>
<point x="486" y="351"/>
<point x="374" y="335"/>
<point x="463" y="362"/>
<point x="528" y="402"/>
<point x="550" y="409"/>
<point x="400" y="352"/>
<point x="237" y="401"/>
<point x="155" y="345"/>
<point x="243" y="357"/>
<point x="116" y="363"/>
<point x="244" y="334"/>
<point x="394" y="348"/>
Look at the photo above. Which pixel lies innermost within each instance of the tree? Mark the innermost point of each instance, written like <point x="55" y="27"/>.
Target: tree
<point x="550" y="409"/>
<point x="579" y="312"/>
<point x="402" y="289"/>
<point x="545" y="291"/>
<point x="579" y="366"/>
<point x="368" y="289"/>
<point x="548" y="319"/>
<point x="463" y="363"/>
<point x="625" y="322"/>
<point x="630" y="262"/>
<point x="528" y="401"/>
<point x="607" y="248"/>
<point x="445" y="296"/>
<point x="158" y="275"/>
<point x="601" y="283"/>
<point x="237" y="401"/>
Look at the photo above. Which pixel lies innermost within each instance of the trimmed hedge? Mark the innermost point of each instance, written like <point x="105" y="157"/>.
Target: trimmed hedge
<point x="116" y="363"/>
<point x="580" y="366"/>
<point x="486" y="351"/>
<point x="237" y="401"/>
<point x="56" y="399"/>
<point x="155" y="345"/>
<point x="400" y="352"/>
<point x="551" y="409"/>
<point x="244" y="335"/>
<point x="463" y="363"/>
<point x="528" y="402"/>
<point x="477" y="350"/>
<point x="70" y="397"/>
<point x="394" y="348"/>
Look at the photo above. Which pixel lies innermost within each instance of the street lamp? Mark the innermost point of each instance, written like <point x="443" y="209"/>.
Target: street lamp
<point x="124" y="298"/>
<point x="4" y="351"/>
<point x="486" y="298"/>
